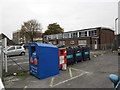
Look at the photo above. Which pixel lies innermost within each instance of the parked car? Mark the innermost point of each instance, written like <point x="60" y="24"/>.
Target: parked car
<point x="15" y="50"/>
<point x="119" y="50"/>
<point x="26" y="46"/>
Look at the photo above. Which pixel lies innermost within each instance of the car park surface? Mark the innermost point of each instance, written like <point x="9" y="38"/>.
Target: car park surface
<point x="87" y="74"/>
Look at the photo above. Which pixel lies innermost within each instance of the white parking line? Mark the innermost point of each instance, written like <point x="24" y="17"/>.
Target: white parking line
<point x="25" y="87"/>
<point x="17" y="59"/>
<point x="13" y="64"/>
<point x="51" y="83"/>
<point x="69" y="79"/>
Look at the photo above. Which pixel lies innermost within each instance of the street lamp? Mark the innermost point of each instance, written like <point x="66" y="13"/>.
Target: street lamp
<point x="116" y="25"/>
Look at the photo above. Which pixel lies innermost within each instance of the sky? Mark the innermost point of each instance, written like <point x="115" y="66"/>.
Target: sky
<point x="69" y="14"/>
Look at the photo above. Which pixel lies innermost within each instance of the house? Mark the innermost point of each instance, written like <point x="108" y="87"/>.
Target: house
<point x="9" y="42"/>
<point x="96" y="38"/>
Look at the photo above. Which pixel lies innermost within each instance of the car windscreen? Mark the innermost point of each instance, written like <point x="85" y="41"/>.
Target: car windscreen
<point x="11" y="48"/>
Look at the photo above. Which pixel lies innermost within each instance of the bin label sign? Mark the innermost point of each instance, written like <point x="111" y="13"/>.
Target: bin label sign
<point x="86" y="53"/>
<point x="33" y="69"/>
<point x="61" y="61"/>
<point x="78" y="54"/>
<point x="69" y="56"/>
<point x="61" y="57"/>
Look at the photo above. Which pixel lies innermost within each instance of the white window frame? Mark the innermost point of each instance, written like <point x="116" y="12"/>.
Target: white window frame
<point x="72" y="42"/>
<point x="83" y="34"/>
<point x="66" y="35"/>
<point x="62" y="42"/>
<point x="82" y="42"/>
<point x="74" y="36"/>
<point x="60" y="36"/>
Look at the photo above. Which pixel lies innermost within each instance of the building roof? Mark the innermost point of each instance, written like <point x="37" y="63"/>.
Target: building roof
<point x="9" y="42"/>
<point x="96" y="28"/>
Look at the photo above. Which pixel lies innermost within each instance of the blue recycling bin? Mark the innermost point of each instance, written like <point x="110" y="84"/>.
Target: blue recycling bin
<point x="70" y="55"/>
<point x="43" y="60"/>
<point x="78" y="54"/>
<point x="86" y="53"/>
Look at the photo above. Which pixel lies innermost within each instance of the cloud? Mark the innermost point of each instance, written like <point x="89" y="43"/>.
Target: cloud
<point x="70" y="14"/>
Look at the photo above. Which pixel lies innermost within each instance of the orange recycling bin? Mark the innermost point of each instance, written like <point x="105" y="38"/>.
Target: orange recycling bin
<point x="62" y="57"/>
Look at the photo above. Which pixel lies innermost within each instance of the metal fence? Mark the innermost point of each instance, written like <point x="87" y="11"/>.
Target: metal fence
<point x="100" y="46"/>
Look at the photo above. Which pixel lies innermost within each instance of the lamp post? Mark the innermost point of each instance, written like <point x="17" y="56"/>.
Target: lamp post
<point x="116" y="25"/>
<point x="116" y="32"/>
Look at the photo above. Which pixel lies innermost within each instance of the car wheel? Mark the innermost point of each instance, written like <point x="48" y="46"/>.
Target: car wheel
<point x="22" y="53"/>
<point x="119" y="54"/>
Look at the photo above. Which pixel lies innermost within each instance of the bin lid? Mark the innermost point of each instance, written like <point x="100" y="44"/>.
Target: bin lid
<point x="43" y="45"/>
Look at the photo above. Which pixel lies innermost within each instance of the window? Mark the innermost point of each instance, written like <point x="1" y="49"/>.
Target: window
<point x="90" y="33"/>
<point x="85" y="33"/>
<point x="54" y="36"/>
<point x="60" y="36"/>
<point x="66" y="35"/>
<point x="54" y="42"/>
<point x="49" y="37"/>
<point x="11" y="48"/>
<point x="82" y="34"/>
<point x="75" y="34"/>
<point x="71" y="42"/>
<point x="94" y="32"/>
<point x="19" y="47"/>
<point x="79" y="34"/>
<point x="82" y="42"/>
<point x="62" y="42"/>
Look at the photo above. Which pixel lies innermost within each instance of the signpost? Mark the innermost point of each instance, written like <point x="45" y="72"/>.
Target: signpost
<point x="1" y="65"/>
<point x="3" y="56"/>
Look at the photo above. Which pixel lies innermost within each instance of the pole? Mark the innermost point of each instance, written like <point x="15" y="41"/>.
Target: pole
<point x="116" y="30"/>
<point x="6" y="69"/>
<point x="1" y="62"/>
<point x="2" y="55"/>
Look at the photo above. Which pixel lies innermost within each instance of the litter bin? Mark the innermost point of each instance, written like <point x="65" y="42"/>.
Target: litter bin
<point x="62" y="57"/>
<point x="86" y="53"/>
<point x="70" y="55"/>
<point x="43" y="60"/>
<point x="78" y="54"/>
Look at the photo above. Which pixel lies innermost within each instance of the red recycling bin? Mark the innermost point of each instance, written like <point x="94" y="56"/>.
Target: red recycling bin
<point x="62" y="57"/>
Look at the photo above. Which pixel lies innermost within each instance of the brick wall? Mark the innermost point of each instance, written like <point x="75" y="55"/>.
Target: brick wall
<point x="107" y="36"/>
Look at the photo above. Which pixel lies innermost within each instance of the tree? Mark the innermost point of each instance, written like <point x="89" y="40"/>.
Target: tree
<point x="30" y="30"/>
<point x="53" y="29"/>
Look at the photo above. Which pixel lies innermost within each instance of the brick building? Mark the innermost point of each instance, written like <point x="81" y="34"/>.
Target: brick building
<point x="96" y="38"/>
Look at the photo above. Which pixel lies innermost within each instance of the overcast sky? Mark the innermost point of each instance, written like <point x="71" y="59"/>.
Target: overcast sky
<point x="70" y="14"/>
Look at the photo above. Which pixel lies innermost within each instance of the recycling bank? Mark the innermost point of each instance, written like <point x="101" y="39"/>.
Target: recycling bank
<point x="43" y="60"/>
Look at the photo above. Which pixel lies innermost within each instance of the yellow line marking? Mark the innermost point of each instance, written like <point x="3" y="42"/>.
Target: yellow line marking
<point x="79" y="70"/>
<point x="70" y="72"/>
<point x="51" y="83"/>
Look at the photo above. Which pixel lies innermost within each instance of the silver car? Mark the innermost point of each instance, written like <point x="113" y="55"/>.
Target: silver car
<point x="15" y="50"/>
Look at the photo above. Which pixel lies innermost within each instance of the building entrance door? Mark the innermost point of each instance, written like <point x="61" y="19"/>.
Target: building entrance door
<point x="96" y="46"/>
